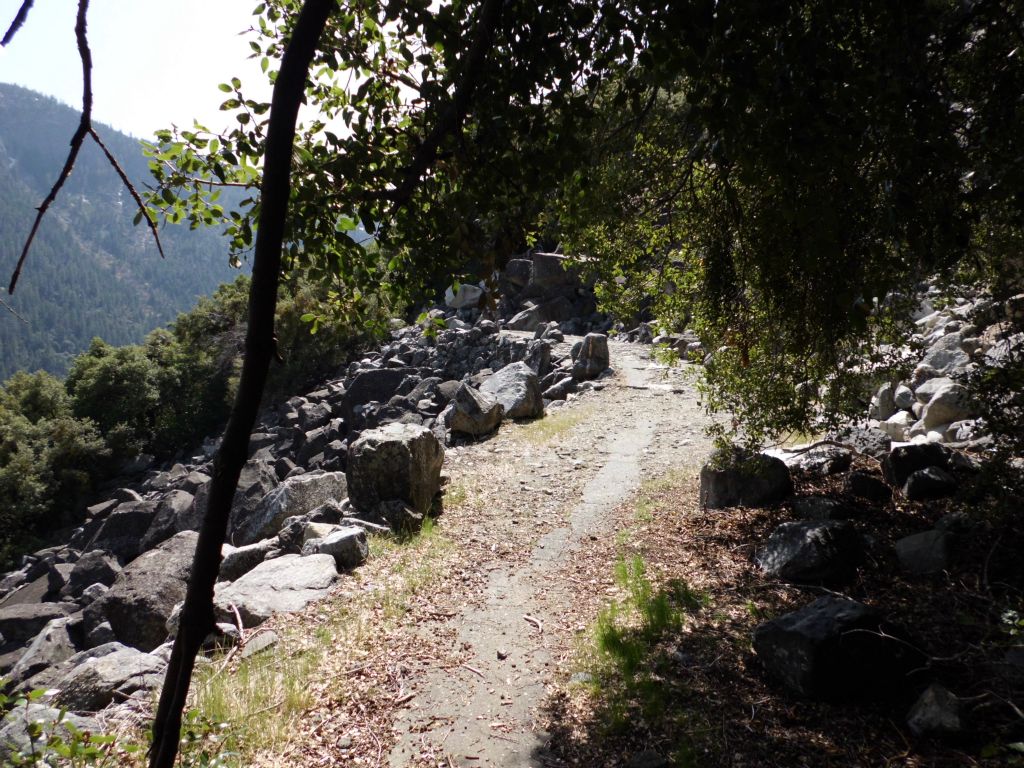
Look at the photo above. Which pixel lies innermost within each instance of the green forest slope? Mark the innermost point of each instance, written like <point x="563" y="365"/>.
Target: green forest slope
<point x="90" y="272"/>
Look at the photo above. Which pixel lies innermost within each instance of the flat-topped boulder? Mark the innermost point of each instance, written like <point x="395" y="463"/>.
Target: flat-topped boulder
<point x="281" y="585"/>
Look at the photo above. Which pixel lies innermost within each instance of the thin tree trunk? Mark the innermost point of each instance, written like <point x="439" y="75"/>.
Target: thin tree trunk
<point x="197" y="616"/>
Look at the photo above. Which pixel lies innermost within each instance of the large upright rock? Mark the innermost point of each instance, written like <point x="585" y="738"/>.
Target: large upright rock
<point x="592" y="359"/>
<point x="835" y="649"/>
<point x="142" y="598"/>
<point x="258" y="478"/>
<point x="733" y="478"/>
<point x="472" y="412"/>
<point x="517" y="388"/>
<point x="398" y="462"/>
<point x="281" y="585"/>
<point x="295" y="496"/>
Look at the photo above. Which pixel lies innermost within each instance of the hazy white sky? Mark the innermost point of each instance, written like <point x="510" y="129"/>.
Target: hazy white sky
<point x="154" y="63"/>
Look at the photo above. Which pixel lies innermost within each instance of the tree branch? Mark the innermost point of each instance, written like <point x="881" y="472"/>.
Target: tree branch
<point x="19" y="19"/>
<point x="455" y="112"/>
<point x="84" y="124"/>
<point x="13" y="311"/>
<point x="131" y="189"/>
<point x="83" y="130"/>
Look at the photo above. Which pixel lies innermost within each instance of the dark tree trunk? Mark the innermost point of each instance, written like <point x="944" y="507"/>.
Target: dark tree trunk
<point x="197" y="616"/>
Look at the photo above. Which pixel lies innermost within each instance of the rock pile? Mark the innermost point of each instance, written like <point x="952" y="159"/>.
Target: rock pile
<point x="91" y="619"/>
<point x="835" y="648"/>
<point x="932" y="404"/>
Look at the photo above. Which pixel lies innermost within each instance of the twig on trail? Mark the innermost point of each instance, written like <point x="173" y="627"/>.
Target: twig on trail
<point x="535" y="621"/>
<point x="474" y="670"/>
<point x="239" y="624"/>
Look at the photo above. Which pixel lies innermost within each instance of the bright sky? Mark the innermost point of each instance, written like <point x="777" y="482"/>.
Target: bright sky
<point x="154" y="63"/>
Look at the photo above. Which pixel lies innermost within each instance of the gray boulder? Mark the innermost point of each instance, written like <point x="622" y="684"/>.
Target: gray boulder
<point x="865" y="485"/>
<point x="395" y="462"/>
<point x="97" y="682"/>
<point x="258" y="478"/>
<point x="373" y="385"/>
<point x="57" y="641"/>
<point x="866" y="440"/>
<point x="347" y="545"/>
<point x="139" y="603"/>
<point x="123" y="529"/>
<point x="936" y="712"/>
<point x="733" y="478"/>
<point x="517" y="388"/>
<point x="20" y="721"/>
<point x="948" y="404"/>
<point x="929" y="483"/>
<point x="592" y="359"/>
<point x="21" y="622"/>
<point x="176" y="512"/>
<point x="96" y="567"/>
<point x="238" y="561"/>
<point x="517" y="271"/>
<point x="946" y="355"/>
<point x="812" y="552"/>
<point x="835" y="649"/>
<point x="924" y="554"/>
<point x="903" y="461"/>
<point x="281" y="585"/>
<point x="472" y="412"/>
<point x="883" y="404"/>
<point x="297" y="495"/>
<point x="467" y="296"/>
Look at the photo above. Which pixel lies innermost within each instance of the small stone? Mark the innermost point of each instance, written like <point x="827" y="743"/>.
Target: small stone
<point x="937" y="711"/>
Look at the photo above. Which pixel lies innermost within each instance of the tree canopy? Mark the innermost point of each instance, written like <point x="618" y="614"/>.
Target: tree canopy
<point x="777" y="174"/>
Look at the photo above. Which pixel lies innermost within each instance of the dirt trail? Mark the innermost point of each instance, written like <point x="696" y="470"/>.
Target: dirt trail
<point x="484" y="710"/>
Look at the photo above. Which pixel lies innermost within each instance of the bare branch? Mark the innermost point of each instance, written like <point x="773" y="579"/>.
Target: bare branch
<point x="84" y="129"/>
<point x="19" y="19"/>
<point x="84" y="126"/>
<point x="13" y="311"/>
<point x="131" y="189"/>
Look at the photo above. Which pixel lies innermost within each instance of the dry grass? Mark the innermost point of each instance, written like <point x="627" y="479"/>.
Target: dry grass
<point x="266" y="700"/>
<point x="554" y="425"/>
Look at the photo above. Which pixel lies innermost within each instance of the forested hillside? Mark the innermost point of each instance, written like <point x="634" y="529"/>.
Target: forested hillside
<point x="91" y="272"/>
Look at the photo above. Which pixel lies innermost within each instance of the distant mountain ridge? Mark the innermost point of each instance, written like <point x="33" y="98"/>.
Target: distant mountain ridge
<point x="90" y="272"/>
